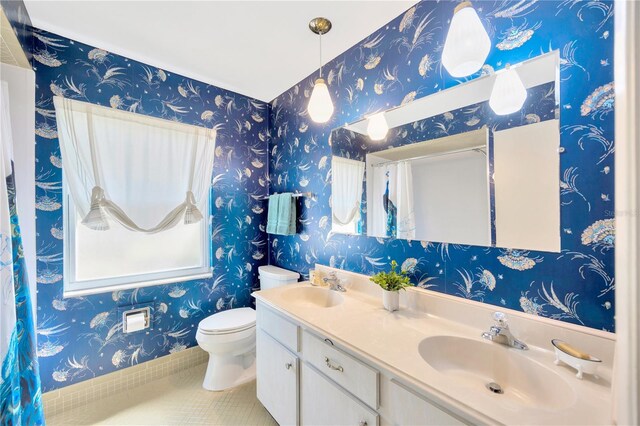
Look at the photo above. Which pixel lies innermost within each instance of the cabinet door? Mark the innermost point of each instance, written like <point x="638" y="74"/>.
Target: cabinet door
<point x="277" y="379"/>
<point x="324" y="403"/>
<point x="406" y="407"/>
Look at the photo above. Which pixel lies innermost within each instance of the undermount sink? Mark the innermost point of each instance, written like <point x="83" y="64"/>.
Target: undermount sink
<point x="313" y="296"/>
<point x="521" y="382"/>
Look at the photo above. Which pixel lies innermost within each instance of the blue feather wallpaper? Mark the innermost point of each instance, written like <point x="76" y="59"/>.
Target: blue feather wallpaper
<point x="401" y="62"/>
<point x="80" y="338"/>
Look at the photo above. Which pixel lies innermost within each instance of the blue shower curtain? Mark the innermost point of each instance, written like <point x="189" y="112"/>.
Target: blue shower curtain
<point x="20" y="392"/>
<point x="390" y="209"/>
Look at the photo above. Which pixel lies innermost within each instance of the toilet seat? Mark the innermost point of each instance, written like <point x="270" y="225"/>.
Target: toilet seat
<point x="228" y="322"/>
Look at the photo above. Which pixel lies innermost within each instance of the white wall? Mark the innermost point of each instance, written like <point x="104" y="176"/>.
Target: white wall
<point x="451" y="199"/>
<point x="22" y="97"/>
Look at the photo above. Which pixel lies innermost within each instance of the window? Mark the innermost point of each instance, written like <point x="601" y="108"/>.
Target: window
<point x="346" y="194"/>
<point x="117" y="259"/>
<point x="137" y="195"/>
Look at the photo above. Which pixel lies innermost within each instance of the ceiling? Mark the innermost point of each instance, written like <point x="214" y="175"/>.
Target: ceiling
<point x="257" y="48"/>
<point x="10" y="50"/>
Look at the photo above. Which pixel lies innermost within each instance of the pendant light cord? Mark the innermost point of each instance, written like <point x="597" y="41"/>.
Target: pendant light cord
<point x="320" y="36"/>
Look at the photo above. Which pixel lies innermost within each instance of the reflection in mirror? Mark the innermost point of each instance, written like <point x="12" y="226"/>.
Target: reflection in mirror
<point x="526" y="178"/>
<point x="445" y="180"/>
<point x="346" y="195"/>
<point x="464" y="175"/>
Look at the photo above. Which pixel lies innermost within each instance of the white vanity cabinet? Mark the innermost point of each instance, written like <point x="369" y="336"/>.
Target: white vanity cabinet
<point x="305" y="379"/>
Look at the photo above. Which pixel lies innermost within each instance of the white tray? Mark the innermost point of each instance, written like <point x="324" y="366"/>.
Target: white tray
<point x="588" y="366"/>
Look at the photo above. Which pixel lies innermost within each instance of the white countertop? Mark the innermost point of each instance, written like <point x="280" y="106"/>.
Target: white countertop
<point x="391" y="340"/>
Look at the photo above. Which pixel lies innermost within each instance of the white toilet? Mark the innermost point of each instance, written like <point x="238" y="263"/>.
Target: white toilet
<point x="230" y="337"/>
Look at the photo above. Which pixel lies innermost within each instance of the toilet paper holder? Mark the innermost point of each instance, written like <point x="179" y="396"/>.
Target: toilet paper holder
<point x="147" y="318"/>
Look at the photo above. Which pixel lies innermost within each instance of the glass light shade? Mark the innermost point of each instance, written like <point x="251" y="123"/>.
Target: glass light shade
<point x="377" y="127"/>
<point x="508" y="93"/>
<point x="320" y="107"/>
<point x="467" y="45"/>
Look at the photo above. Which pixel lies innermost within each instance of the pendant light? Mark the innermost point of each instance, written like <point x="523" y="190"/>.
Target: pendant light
<point x="467" y="44"/>
<point x="320" y="107"/>
<point x="508" y="93"/>
<point x="377" y="127"/>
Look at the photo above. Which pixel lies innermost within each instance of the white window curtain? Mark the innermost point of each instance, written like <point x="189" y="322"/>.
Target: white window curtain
<point x="346" y="189"/>
<point x="406" y="227"/>
<point x="145" y="173"/>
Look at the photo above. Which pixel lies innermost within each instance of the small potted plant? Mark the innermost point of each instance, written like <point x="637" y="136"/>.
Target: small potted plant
<point x="391" y="282"/>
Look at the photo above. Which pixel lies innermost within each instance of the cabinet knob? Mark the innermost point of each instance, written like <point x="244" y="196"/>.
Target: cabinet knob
<point x="363" y="423"/>
<point x="288" y="365"/>
<point x="331" y="366"/>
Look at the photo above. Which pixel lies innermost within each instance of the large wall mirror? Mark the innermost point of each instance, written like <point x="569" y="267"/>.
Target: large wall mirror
<point x="451" y="169"/>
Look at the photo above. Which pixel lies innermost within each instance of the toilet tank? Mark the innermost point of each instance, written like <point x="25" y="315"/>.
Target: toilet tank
<point x="272" y="277"/>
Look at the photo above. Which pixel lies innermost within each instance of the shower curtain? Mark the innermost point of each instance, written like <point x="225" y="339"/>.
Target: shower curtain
<point x="392" y="214"/>
<point x="376" y="214"/>
<point x="406" y="220"/>
<point x="20" y="393"/>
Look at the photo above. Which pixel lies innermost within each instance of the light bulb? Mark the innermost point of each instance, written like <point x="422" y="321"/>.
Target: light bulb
<point x="320" y="107"/>
<point x="508" y="93"/>
<point x="377" y="127"/>
<point x="467" y="44"/>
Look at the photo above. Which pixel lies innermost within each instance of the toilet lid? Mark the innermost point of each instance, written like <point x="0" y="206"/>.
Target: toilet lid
<point x="230" y="320"/>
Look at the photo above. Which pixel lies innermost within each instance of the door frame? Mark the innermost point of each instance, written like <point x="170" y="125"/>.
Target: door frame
<point x="626" y="386"/>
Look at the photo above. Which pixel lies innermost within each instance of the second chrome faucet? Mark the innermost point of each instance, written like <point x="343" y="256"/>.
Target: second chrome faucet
<point x="334" y="282"/>
<point x="500" y="333"/>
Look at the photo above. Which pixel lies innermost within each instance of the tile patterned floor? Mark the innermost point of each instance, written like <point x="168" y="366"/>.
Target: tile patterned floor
<point x="173" y="400"/>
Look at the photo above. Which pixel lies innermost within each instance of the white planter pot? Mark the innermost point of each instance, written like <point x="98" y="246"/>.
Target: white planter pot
<point x="391" y="300"/>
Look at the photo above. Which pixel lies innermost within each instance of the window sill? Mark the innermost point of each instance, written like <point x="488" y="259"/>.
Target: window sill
<point x="129" y="286"/>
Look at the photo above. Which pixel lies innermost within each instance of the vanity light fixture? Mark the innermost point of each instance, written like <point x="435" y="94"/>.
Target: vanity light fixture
<point x="320" y="107"/>
<point x="508" y="93"/>
<point x="377" y="127"/>
<point x="467" y="44"/>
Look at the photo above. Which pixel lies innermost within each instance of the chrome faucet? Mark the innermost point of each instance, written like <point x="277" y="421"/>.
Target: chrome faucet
<point x="334" y="282"/>
<point x="500" y="333"/>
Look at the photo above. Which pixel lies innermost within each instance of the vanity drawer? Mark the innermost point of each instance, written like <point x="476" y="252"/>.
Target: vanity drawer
<point x="350" y="373"/>
<point x="277" y="327"/>
<point x="407" y="407"/>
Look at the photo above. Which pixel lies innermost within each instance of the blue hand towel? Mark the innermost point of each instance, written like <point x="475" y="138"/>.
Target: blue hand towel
<point x="286" y="222"/>
<point x="293" y="217"/>
<point x="272" y="213"/>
